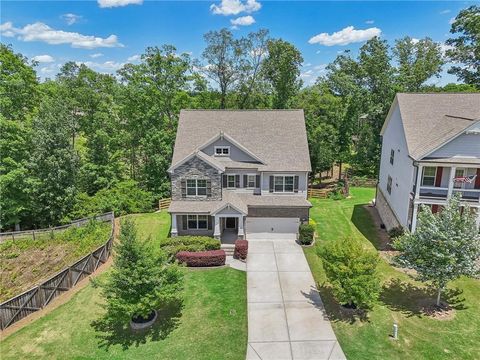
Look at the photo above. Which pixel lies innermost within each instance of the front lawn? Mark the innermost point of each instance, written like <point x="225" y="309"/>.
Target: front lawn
<point x="401" y="300"/>
<point x="211" y="325"/>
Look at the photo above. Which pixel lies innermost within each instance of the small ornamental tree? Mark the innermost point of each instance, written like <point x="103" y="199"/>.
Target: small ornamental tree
<point x="444" y="246"/>
<point x="352" y="272"/>
<point x="140" y="282"/>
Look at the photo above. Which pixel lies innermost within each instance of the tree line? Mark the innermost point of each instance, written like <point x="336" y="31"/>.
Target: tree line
<point x="86" y="142"/>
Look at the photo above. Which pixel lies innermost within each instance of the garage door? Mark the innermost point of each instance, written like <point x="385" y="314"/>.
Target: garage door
<point x="272" y="228"/>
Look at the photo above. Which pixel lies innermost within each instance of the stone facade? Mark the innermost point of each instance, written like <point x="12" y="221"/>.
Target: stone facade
<point x="385" y="211"/>
<point x="196" y="169"/>
<point x="292" y="212"/>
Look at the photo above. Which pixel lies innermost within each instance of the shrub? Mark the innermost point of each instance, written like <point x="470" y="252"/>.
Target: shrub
<point x="396" y="232"/>
<point x="172" y="246"/>
<point x="140" y="281"/>
<point x="306" y="232"/>
<point x="123" y="198"/>
<point x="241" y="249"/>
<point x="202" y="258"/>
<point x="352" y="272"/>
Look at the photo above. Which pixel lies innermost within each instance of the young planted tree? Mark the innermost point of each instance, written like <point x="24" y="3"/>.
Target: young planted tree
<point x="444" y="246"/>
<point x="140" y="282"/>
<point x="352" y="271"/>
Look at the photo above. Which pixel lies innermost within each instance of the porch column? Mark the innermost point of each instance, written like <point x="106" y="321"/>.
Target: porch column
<point x="450" y="181"/>
<point x="414" y="218"/>
<point x="216" y="231"/>
<point x="478" y="218"/>
<point x="418" y="183"/>
<point x="240" y="228"/>
<point x="174" y="231"/>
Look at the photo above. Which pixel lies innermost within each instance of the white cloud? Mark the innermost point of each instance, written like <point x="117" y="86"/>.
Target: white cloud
<point x="451" y="21"/>
<point x="446" y="11"/>
<point x="345" y="36"/>
<point x="306" y="74"/>
<point x="234" y="7"/>
<point x="444" y="47"/>
<point x="96" y="55"/>
<point x="243" y="21"/>
<point x="43" y="59"/>
<point x="44" y="33"/>
<point x="107" y="66"/>
<point x="321" y="67"/>
<point x="70" y="19"/>
<point x="118" y="3"/>
<point x="133" y="58"/>
<point x="369" y="22"/>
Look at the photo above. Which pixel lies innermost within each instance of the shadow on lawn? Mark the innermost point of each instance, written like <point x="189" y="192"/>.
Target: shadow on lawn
<point x="413" y="300"/>
<point x="111" y="332"/>
<point x="364" y="222"/>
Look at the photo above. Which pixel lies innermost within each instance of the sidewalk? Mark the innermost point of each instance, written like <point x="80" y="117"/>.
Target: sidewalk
<point x="286" y="318"/>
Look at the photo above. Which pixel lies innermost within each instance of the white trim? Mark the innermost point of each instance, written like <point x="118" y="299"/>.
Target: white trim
<point x="221" y="147"/>
<point x="254" y="182"/>
<point x="196" y="188"/>
<point x="228" y="205"/>
<point x="192" y="155"/>
<point x="231" y="140"/>
<point x="234" y="181"/>
<point x="284" y="176"/>
<point x="434" y="176"/>
<point x="196" y="228"/>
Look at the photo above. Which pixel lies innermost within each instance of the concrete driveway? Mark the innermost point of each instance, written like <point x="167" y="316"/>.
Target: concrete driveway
<point x="286" y="318"/>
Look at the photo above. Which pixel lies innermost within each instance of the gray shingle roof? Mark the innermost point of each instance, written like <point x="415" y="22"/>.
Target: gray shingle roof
<point x="278" y="137"/>
<point x="431" y="119"/>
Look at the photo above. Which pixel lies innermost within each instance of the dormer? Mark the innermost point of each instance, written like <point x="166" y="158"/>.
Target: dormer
<point x="224" y="146"/>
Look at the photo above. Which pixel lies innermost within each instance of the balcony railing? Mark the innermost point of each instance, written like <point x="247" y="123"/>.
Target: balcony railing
<point x="433" y="192"/>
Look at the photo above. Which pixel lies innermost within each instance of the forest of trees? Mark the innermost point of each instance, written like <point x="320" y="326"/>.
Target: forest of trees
<point x="86" y="142"/>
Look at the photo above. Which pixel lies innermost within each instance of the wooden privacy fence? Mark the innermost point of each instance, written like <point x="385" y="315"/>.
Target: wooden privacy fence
<point x="362" y="182"/>
<point x="163" y="204"/>
<point x="33" y="234"/>
<point x="40" y="296"/>
<point x="319" y="193"/>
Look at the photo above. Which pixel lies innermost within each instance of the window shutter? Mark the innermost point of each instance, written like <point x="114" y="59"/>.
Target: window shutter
<point x="184" y="222"/>
<point x="209" y="188"/>
<point x="224" y="181"/>
<point x="477" y="180"/>
<point x="209" y="223"/>
<point x="245" y="181"/>
<point x="438" y="177"/>
<point x="184" y="188"/>
<point x="271" y="183"/>
<point x="237" y="181"/>
<point x="295" y="184"/>
<point x="257" y="181"/>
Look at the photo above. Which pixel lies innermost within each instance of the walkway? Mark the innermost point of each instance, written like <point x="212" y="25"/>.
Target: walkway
<point x="286" y="318"/>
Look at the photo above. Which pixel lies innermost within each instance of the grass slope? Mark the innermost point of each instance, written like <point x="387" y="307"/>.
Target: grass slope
<point x="212" y="324"/>
<point x="401" y="300"/>
<point x="25" y="262"/>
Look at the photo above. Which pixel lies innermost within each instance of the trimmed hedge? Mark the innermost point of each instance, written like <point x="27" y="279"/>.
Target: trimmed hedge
<point x="306" y="232"/>
<point x="202" y="258"/>
<point x="172" y="246"/>
<point x="241" y="249"/>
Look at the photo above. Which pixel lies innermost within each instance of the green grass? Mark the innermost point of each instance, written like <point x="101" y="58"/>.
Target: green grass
<point x="401" y="301"/>
<point x="211" y="325"/>
<point x="25" y="262"/>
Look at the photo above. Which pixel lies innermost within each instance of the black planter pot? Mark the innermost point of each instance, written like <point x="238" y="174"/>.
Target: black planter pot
<point x="139" y="323"/>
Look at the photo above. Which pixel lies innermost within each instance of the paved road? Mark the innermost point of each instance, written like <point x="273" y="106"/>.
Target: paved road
<point x="286" y="318"/>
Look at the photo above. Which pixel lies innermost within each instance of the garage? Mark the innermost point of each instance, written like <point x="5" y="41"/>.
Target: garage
<point x="272" y="228"/>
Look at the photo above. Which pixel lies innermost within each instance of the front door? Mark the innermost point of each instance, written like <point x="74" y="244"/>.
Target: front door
<point x="230" y="223"/>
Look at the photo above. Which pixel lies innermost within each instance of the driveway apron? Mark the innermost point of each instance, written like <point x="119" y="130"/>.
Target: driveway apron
<point x="286" y="317"/>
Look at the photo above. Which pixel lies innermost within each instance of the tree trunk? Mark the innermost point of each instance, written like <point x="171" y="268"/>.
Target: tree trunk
<point x="439" y="292"/>
<point x="340" y="171"/>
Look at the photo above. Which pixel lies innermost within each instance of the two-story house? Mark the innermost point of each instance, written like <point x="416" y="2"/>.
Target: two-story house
<point x="240" y="174"/>
<point x="430" y="150"/>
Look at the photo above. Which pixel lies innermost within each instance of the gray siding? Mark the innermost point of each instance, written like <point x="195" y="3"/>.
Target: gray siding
<point x="466" y="145"/>
<point x="236" y="154"/>
<point x="196" y="169"/>
<point x="294" y="212"/>
<point x="302" y="182"/>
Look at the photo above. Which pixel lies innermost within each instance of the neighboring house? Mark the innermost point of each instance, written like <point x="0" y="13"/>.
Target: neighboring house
<point x="240" y="174"/>
<point x="430" y="150"/>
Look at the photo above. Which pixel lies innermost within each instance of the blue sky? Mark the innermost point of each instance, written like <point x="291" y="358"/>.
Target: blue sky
<point x="107" y="33"/>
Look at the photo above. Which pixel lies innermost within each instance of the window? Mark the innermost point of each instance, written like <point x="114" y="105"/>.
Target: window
<point x="429" y="174"/>
<point x="231" y="181"/>
<point x="198" y="222"/>
<point x="283" y="183"/>
<point x="389" y="184"/>
<point x="250" y="181"/>
<point x="392" y="156"/>
<point x="196" y="187"/>
<point x="459" y="173"/>
<point x="222" y="150"/>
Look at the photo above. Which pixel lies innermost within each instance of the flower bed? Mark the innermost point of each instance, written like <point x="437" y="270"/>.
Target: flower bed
<point x="241" y="249"/>
<point x="202" y="258"/>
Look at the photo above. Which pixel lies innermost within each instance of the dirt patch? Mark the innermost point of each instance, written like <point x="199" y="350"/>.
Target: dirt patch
<point x="442" y="312"/>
